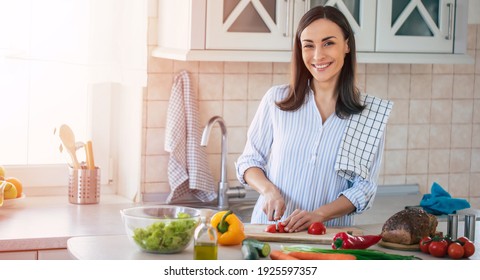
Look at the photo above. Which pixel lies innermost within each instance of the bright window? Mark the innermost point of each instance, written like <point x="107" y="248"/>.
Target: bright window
<point x="59" y="61"/>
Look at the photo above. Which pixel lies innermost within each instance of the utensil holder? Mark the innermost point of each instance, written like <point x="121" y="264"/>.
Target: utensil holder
<point x="84" y="186"/>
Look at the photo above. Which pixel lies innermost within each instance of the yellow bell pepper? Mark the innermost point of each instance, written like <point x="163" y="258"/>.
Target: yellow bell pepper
<point x="229" y="228"/>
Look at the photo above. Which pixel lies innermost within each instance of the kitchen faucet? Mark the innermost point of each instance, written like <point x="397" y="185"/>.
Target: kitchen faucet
<point x="223" y="188"/>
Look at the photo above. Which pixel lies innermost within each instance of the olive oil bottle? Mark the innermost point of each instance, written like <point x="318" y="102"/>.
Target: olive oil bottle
<point x="205" y="241"/>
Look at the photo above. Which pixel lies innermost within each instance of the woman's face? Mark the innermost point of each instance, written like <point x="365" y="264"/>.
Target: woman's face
<point x="323" y="51"/>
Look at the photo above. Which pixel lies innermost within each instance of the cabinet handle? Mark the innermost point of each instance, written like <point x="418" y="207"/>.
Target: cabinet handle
<point x="287" y="21"/>
<point x="450" y="21"/>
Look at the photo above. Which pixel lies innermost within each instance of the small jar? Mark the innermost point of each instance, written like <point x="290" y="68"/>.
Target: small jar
<point x="470" y="221"/>
<point x="205" y="241"/>
<point x="452" y="226"/>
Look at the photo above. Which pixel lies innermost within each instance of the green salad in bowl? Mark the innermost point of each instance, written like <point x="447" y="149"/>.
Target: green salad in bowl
<point x="161" y="229"/>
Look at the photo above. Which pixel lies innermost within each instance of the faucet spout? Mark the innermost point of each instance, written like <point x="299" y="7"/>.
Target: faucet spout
<point x="223" y="184"/>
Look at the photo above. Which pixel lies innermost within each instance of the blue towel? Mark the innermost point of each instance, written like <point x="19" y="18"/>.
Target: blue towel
<point x="440" y="202"/>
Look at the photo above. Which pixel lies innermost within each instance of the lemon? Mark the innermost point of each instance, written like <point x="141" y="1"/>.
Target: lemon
<point x="9" y="191"/>
<point x="2" y="172"/>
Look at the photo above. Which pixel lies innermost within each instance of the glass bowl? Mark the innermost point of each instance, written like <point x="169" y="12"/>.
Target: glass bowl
<point x="161" y="229"/>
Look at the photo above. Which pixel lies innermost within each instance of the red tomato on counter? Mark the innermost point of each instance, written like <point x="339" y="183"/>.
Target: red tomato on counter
<point x="317" y="228"/>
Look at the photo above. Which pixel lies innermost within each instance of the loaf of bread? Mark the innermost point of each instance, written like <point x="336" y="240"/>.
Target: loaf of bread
<point x="409" y="226"/>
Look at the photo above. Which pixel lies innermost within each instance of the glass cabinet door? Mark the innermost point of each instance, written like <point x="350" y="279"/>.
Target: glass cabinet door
<point x="415" y="26"/>
<point x="249" y="24"/>
<point x="361" y="16"/>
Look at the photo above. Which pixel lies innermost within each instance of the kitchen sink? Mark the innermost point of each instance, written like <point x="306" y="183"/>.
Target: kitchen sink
<point x="242" y="208"/>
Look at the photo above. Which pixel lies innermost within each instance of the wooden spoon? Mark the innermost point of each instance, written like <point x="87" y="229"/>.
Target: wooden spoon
<point x="68" y="140"/>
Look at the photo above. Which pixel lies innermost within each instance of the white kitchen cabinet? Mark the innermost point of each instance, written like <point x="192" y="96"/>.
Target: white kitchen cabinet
<point x="262" y="30"/>
<point x="417" y="26"/>
<point x="54" y="254"/>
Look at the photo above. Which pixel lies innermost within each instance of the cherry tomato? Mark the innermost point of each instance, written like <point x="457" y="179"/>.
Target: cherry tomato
<point x="438" y="248"/>
<point x="317" y="228"/>
<point x="281" y="228"/>
<point x="455" y="251"/>
<point x="468" y="246"/>
<point x="425" y="243"/>
<point x="271" y="228"/>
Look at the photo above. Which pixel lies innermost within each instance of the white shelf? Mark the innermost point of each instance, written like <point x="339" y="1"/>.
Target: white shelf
<point x="285" y="56"/>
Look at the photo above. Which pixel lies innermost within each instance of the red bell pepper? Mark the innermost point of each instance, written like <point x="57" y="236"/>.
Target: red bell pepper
<point x="343" y="240"/>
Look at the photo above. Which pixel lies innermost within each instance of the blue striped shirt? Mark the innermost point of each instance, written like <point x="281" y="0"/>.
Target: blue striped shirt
<point x="297" y="153"/>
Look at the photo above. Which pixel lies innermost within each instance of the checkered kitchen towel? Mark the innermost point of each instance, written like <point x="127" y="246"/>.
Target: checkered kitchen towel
<point x="362" y="137"/>
<point x="188" y="169"/>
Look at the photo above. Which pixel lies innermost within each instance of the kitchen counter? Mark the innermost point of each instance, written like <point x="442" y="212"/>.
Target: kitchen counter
<point x="119" y="247"/>
<point x="40" y="222"/>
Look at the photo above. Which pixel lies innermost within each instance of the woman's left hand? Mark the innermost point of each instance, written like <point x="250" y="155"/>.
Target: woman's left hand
<point x="300" y="220"/>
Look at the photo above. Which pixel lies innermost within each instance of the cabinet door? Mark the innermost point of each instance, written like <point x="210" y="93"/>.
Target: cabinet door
<point x="21" y="255"/>
<point x="415" y="26"/>
<point x="361" y="16"/>
<point x="54" y="254"/>
<point x="249" y="24"/>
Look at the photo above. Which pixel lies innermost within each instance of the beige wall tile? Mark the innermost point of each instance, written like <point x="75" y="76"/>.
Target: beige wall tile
<point x="394" y="179"/>
<point x="209" y="109"/>
<point x="459" y="185"/>
<point x="210" y="87"/>
<point x="421" y="180"/>
<point x="440" y="135"/>
<point x="190" y="66"/>
<point x="361" y="68"/>
<point x="237" y="137"/>
<point x="159" y="65"/>
<point x="441" y="111"/>
<point x="252" y="109"/>
<point x="476" y="136"/>
<point x="475" y="165"/>
<point x="400" y="111"/>
<point x="399" y="68"/>
<point x="418" y="136"/>
<point x="476" y="111"/>
<point x="463" y="86"/>
<point x="235" y="87"/>
<point x="280" y="79"/>
<point x="421" y="68"/>
<point x="156" y="170"/>
<point x="258" y="85"/>
<point x="235" y="113"/>
<point x="362" y="83"/>
<point x="461" y="136"/>
<point x="439" y="161"/>
<point x="260" y="67"/>
<point x="472" y="36"/>
<point x="460" y="160"/>
<point x="462" y="111"/>
<point x="395" y="162"/>
<point x="155" y="141"/>
<point x="417" y="161"/>
<point x="441" y="179"/>
<point x="443" y="68"/>
<point x="156" y="113"/>
<point x="281" y="68"/>
<point x="376" y="84"/>
<point x="477" y="84"/>
<point x="474" y="185"/>
<point x="442" y="86"/>
<point x="398" y="86"/>
<point x="236" y="67"/>
<point x="152" y="31"/>
<point x="419" y="111"/>
<point x="477" y="62"/>
<point x="377" y="68"/>
<point x="396" y="137"/>
<point x="214" y="161"/>
<point x="159" y="86"/>
<point x="214" y="145"/>
<point x="211" y="67"/>
<point x="421" y="86"/>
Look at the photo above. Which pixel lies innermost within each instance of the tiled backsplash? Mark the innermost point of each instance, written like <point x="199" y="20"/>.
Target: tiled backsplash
<point x="433" y="133"/>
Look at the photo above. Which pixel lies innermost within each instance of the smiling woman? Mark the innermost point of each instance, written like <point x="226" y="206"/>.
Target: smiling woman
<point x="60" y="63"/>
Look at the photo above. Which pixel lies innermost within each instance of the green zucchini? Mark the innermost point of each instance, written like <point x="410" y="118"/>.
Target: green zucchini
<point x="263" y="248"/>
<point x="249" y="252"/>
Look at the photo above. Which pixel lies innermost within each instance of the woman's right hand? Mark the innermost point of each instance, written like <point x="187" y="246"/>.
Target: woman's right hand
<point x="274" y="205"/>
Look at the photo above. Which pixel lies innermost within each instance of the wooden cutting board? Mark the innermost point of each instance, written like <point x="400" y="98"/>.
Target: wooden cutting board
<point x="257" y="231"/>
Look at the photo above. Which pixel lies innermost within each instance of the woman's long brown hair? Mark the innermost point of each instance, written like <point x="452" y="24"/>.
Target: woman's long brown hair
<point x="348" y="101"/>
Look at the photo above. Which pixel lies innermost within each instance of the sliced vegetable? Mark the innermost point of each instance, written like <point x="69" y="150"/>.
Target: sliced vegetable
<point x="229" y="228"/>
<point x="321" y="256"/>
<point x="317" y="228"/>
<point x="273" y="228"/>
<point x="279" y="255"/>
<point x="343" y="240"/>
<point x="360" y="254"/>
<point x="263" y="248"/>
<point x="249" y="252"/>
